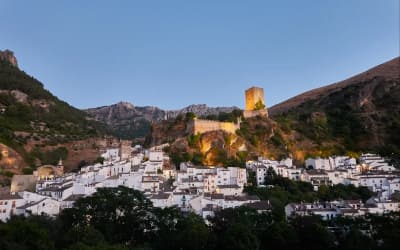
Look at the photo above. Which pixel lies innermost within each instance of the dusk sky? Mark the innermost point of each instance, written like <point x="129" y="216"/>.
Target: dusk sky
<point x="172" y="54"/>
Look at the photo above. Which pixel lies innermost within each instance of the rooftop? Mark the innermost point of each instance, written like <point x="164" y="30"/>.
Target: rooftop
<point x="9" y="196"/>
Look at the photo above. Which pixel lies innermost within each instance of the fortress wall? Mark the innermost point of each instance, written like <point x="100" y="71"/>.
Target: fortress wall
<point x="254" y="113"/>
<point x="202" y="126"/>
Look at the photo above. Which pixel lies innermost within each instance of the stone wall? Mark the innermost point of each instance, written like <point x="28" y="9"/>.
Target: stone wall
<point x="254" y="113"/>
<point x="202" y="126"/>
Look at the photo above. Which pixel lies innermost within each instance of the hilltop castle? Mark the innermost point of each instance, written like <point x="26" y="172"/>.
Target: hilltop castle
<point x="255" y="106"/>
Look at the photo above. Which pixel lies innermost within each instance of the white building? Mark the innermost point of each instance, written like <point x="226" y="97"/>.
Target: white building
<point x="162" y="200"/>
<point x="156" y="156"/>
<point x="46" y="206"/>
<point x="316" y="178"/>
<point x="375" y="162"/>
<point x="8" y="205"/>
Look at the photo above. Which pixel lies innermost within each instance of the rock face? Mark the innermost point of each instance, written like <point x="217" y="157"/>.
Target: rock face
<point x="200" y="110"/>
<point x="129" y="121"/>
<point x="8" y="56"/>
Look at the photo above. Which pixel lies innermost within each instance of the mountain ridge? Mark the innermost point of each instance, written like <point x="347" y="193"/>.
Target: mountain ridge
<point x="389" y="69"/>
<point x="130" y="121"/>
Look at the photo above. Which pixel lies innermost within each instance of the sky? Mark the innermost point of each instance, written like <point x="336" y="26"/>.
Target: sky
<point x="172" y="54"/>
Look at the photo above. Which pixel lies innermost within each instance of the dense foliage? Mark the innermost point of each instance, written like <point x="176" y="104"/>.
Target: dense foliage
<point x="281" y="191"/>
<point x="346" y="120"/>
<point x="226" y="117"/>
<point x="122" y="218"/>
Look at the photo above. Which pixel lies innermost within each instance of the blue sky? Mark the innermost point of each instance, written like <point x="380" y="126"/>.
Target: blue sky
<point x="175" y="53"/>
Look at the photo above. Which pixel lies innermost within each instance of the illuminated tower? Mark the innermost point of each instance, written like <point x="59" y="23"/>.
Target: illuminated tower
<point x="255" y="104"/>
<point x="254" y="98"/>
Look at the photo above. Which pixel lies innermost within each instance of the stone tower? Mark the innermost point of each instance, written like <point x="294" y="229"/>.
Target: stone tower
<point x="254" y="95"/>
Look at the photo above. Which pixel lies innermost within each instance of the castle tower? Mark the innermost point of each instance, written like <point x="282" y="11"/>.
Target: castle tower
<point x="254" y="95"/>
<point x="255" y="104"/>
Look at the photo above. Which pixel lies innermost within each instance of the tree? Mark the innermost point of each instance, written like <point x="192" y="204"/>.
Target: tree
<point x="175" y="230"/>
<point x="190" y="116"/>
<point x="27" y="170"/>
<point x="194" y="140"/>
<point x="259" y="105"/>
<point x="270" y="176"/>
<point x="20" y="233"/>
<point x="312" y="234"/>
<point x="121" y="214"/>
<point x="239" y="228"/>
<point x="280" y="235"/>
<point x="356" y="240"/>
<point x="99" y="159"/>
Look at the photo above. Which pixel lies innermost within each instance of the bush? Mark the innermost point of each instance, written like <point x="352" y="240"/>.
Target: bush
<point x="27" y="171"/>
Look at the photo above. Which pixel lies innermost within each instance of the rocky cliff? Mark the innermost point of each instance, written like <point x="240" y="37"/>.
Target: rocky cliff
<point x="129" y="121"/>
<point x="8" y="56"/>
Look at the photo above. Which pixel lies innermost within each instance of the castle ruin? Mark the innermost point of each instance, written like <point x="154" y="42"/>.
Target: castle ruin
<point x="255" y="104"/>
<point x="200" y="126"/>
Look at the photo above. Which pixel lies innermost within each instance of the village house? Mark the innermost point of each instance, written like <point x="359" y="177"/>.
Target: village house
<point x="46" y="206"/>
<point x="162" y="200"/>
<point x="316" y="177"/>
<point x="8" y="205"/>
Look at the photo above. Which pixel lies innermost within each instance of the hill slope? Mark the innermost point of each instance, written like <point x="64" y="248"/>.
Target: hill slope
<point x="33" y="121"/>
<point x="361" y="113"/>
<point x="389" y="71"/>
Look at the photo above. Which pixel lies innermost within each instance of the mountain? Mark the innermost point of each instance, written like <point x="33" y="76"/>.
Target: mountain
<point x="356" y="115"/>
<point x="35" y="126"/>
<point x="360" y="113"/>
<point x="388" y="71"/>
<point x="129" y="121"/>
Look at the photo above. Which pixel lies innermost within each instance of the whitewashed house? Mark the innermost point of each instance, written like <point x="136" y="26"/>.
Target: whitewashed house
<point x="162" y="200"/>
<point x="8" y="205"/>
<point x="46" y="206"/>
<point x="316" y="177"/>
